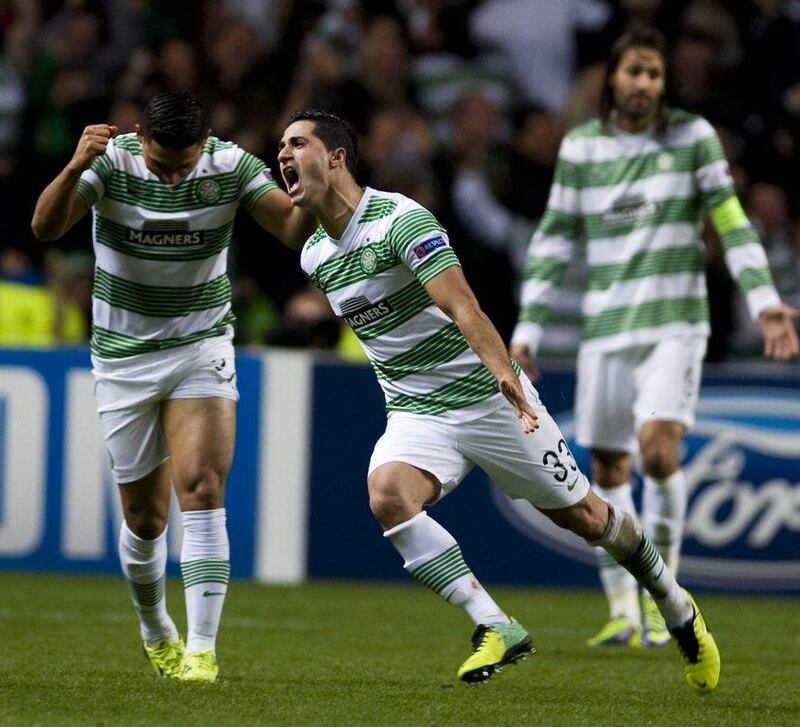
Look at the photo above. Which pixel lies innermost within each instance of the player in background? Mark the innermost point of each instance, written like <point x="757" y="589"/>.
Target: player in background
<point x="164" y="201"/>
<point x="633" y="186"/>
<point x="454" y="398"/>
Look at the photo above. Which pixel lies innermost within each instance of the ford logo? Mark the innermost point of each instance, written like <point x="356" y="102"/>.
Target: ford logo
<point x="742" y="463"/>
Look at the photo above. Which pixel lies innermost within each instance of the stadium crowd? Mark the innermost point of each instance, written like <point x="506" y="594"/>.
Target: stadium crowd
<point x="461" y="104"/>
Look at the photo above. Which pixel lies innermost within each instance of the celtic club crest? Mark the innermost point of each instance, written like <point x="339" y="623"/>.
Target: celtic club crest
<point x="369" y="261"/>
<point x="208" y="191"/>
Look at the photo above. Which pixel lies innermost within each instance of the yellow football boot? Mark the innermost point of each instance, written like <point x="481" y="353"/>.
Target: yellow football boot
<point x="617" y="632"/>
<point x="199" y="666"/>
<point x="699" y="652"/>
<point x="494" y="647"/>
<point x="165" y="656"/>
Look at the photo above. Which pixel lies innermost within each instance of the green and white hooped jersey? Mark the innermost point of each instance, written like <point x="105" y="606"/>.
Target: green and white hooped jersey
<point x="374" y="279"/>
<point x="637" y="202"/>
<point x="161" y="250"/>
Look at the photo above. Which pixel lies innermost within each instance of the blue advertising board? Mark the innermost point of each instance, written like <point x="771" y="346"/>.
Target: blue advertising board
<point x="297" y="499"/>
<point x="58" y="507"/>
<point x="742" y="461"/>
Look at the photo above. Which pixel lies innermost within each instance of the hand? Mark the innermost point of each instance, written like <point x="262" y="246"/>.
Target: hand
<point x="777" y="326"/>
<point x="92" y="144"/>
<point x="512" y="390"/>
<point x="522" y="355"/>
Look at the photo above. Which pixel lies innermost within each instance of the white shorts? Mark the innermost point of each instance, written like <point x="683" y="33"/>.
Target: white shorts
<point x="129" y="393"/>
<point x="535" y="467"/>
<point x="618" y="391"/>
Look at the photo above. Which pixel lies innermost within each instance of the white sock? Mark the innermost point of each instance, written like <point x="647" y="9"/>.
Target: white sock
<point x="626" y="542"/>
<point x="620" y="587"/>
<point x="205" y="565"/>
<point x="144" y="563"/>
<point x="433" y="557"/>
<point x="664" y="515"/>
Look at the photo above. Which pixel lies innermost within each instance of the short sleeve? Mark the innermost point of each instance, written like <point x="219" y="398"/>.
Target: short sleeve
<point x="421" y="243"/>
<point x="94" y="180"/>
<point x="254" y="178"/>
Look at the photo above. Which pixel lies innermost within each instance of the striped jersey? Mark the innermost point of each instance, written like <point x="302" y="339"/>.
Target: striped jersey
<point x="374" y="278"/>
<point x="161" y="250"/>
<point x="637" y="202"/>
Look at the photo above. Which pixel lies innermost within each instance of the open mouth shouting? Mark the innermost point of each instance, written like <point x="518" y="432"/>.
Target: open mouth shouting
<point x="292" y="179"/>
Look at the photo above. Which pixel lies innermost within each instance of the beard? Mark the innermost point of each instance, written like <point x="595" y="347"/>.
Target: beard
<point x="638" y="109"/>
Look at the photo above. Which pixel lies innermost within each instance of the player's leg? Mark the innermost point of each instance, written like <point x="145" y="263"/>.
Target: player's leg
<point x="143" y="557"/>
<point x="200" y="435"/>
<point x="397" y="493"/>
<point x="611" y="471"/>
<point x="540" y="468"/>
<point x="129" y="416"/>
<point x="667" y="383"/>
<point x="664" y="497"/>
<point x="605" y="423"/>
<point x="663" y="510"/>
<point x="410" y="463"/>
<point x="603" y="524"/>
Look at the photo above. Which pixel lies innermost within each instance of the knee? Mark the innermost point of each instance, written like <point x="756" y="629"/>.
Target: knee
<point x="389" y="504"/>
<point x="659" y="458"/>
<point x="147" y="521"/>
<point x="610" y="468"/>
<point x="202" y="489"/>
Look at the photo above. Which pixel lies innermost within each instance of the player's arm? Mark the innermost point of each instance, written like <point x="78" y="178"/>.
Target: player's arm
<point x="61" y="205"/>
<point x="275" y="212"/>
<point x="743" y="251"/>
<point x="451" y="292"/>
<point x="549" y="253"/>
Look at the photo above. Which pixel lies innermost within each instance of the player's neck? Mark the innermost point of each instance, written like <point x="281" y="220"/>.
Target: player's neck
<point x="634" y="124"/>
<point x="337" y="210"/>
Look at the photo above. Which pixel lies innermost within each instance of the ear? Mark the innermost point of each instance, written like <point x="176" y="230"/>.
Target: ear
<point x="337" y="158"/>
<point x="138" y="129"/>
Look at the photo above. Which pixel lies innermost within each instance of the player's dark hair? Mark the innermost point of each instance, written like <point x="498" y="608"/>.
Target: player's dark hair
<point x="637" y="38"/>
<point x="175" y="120"/>
<point x="334" y="132"/>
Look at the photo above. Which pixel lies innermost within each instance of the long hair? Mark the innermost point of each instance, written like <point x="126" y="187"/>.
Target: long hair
<point x="637" y="38"/>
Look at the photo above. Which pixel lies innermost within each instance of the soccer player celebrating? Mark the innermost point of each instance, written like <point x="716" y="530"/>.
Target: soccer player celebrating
<point x="164" y="201"/>
<point x="633" y="185"/>
<point x="454" y="398"/>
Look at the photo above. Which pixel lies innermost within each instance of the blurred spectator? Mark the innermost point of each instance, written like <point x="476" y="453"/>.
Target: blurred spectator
<point x="705" y="53"/>
<point x="584" y="98"/>
<point x="125" y="115"/>
<point x="33" y="315"/>
<point x="256" y="315"/>
<point x="768" y="208"/>
<point x="535" y="44"/>
<point x="179" y="67"/>
<point x="397" y="151"/>
<point x="503" y="209"/>
<point x="525" y="184"/>
<point x="460" y="103"/>
<point x="68" y="82"/>
<point x="308" y="322"/>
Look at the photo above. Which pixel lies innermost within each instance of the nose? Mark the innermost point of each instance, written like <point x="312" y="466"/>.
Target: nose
<point x="284" y="154"/>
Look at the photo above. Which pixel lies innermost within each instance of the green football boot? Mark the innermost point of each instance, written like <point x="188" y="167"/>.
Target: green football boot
<point x="199" y="666"/>
<point x="165" y="656"/>
<point x="619" y="631"/>
<point x="699" y="652"/>
<point x="494" y="647"/>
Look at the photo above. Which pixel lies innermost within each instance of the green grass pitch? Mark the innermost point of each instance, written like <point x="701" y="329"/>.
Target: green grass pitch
<point x="344" y="654"/>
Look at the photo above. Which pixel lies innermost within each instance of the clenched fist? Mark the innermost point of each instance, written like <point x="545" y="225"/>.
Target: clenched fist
<point x="92" y="144"/>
